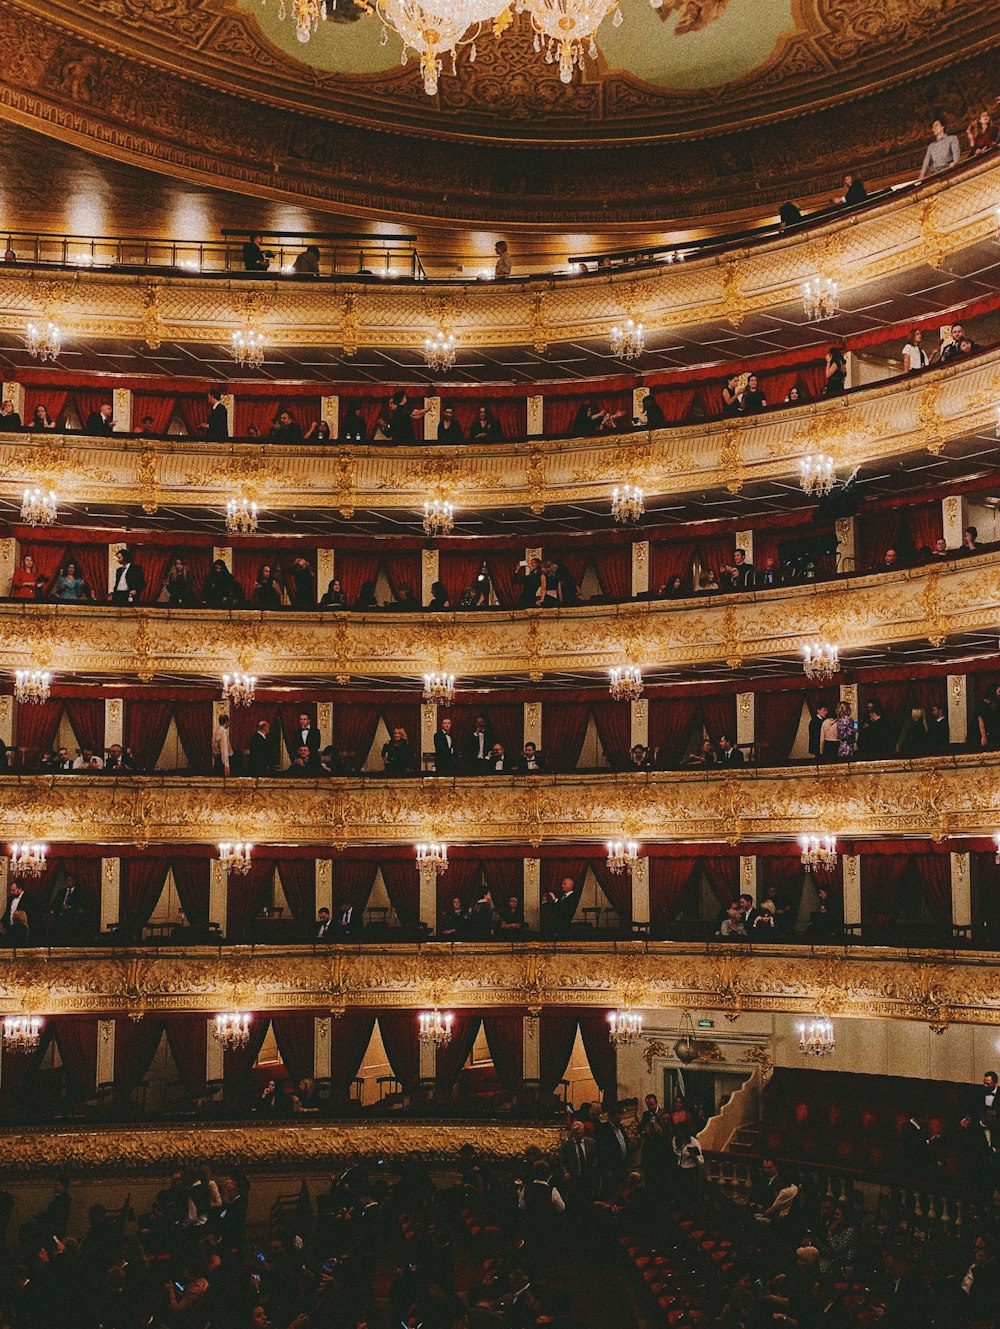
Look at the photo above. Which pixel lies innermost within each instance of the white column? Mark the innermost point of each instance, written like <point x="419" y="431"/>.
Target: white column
<point x="532" y="1061"/>
<point x="639" y="727"/>
<point x="532" y="892"/>
<point x="954" y="515"/>
<point x="324" y="884"/>
<point x="428" y="896"/>
<point x="112" y="564"/>
<point x="748" y="875"/>
<point x="215" y="1062"/>
<point x="121" y="410"/>
<point x="640" y="891"/>
<point x="114" y="720"/>
<point x="958" y="708"/>
<point x="744" y="541"/>
<point x="8" y="562"/>
<point x="329" y="409"/>
<point x="322" y="1053"/>
<point x="745" y="717"/>
<point x="111" y="875"/>
<point x="7" y="720"/>
<point x="324" y="722"/>
<point x="224" y="554"/>
<point x="847" y="554"/>
<point x="961" y="891"/>
<point x="536" y="417"/>
<point x="218" y="903"/>
<point x="105" y="1052"/>
<point x="430" y="562"/>
<point x="640" y="568"/>
<point x="852" y="889"/>
<point x="428" y="728"/>
<point x="529" y="554"/>
<point x="229" y="402"/>
<point x="428" y="1060"/>
<point x="849" y="693"/>
<point x="639" y="396"/>
<point x="432" y="420"/>
<point x="324" y="571"/>
<point x="15" y="392"/>
<point x="533" y="723"/>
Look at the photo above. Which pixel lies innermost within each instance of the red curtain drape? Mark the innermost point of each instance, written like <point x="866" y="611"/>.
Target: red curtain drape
<point x="505" y="1036"/>
<point x="787" y="873"/>
<point x="884" y="881"/>
<point x="928" y="692"/>
<point x="87" y="400"/>
<point x="556" y="1036"/>
<point x="238" y="1063"/>
<point x="452" y="1057"/>
<point x="457" y="883"/>
<point x="669" y="559"/>
<point x="925" y="525"/>
<point x="935" y="874"/>
<point x="243" y="722"/>
<point x="192" y="879"/>
<point x="260" y="412"/>
<point x="776" y="722"/>
<point x="880" y="530"/>
<point x="564" y="727"/>
<point x="353" y="879"/>
<point x="19" y="1086"/>
<point x="714" y="550"/>
<point x="669" y="879"/>
<point x="136" y="1042"/>
<point x="350" y="1035"/>
<point x="49" y="559"/>
<point x="501" y="564"/>
<point x="354" y="726"/>
<point x="298" y="881"/>
<point x="158" y="405"/>
<point x="155" y="561"/>
<point x="354" y="567"/>
<point x="76" y="1038"/>
<point x="613" y="721"/>
<point x="92" y="562"/>
<point x="719" y="716"/>
<point x="675" y="403"/>
<point x="86" y="718"/>
<point x="245" y="897"/>
<point x="37" y="726"/>
<point x="614" y="571"/>
<point x="142" y="882"/>
<point x="458" y="571"/>
<point x="53" y="399"/>
<point x="295" y="1035"/>
<point x="778" y="384"/>
<point x="600" y="1051"/>
<point x="671" y="721"/>
<point x="399" y="1038"/>
<point x="145" y="730"/>
<point x="617" y="886"/>
<point x="187" y="1037"/>
<point x="402" y="885"/>
<point x="894" y="699"/>
<point x="723" y="876"/>
<point x="194" y="729"/>
<point x="192" y="407"/>
<point x="505" y="878"/>
<point x="402" y="570"/>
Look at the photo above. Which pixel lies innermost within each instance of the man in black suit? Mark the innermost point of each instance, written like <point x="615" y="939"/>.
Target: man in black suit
<point x="875" y="738"/>
<point x="323" y="928"/>
<point x="562" y="907"/>
<point x="217" y="428"/>
<point x="938" y="739"/>
<point x="259" y="760"/>
<point x="303" y="588"/>
<point x="444" y="749"/>
<point x="477" y="745"/>
<point x="743" y="578"/>
<point x="498" y="762"/>
<point x="66" y="913"/>
<point x="256" y="259"/>
<point x="529" y="574"/>
<point x="729" y="754"/>
<point x="286" y="430"/>
<point x="531" y="761"/>
<point x="578" y="1158"/>
<point x="307" y="736"/>
<point x="612" y="1152"/>
<point x="130" y="580"/>
<point x="344" y="926"/>
<point x="14" y="920"/>
<point x="989" y="1097"/>
<point x="99" y="422"/>
<point x="815" y="726"/>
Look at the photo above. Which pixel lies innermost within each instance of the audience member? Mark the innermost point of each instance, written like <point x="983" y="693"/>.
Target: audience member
<point x="752" y="398"/>
<point x="502" y="267"/>
<point x="982" y="134"/>
<point x="835" y="372"/>
<point x="259" y="758"/>
<point x="449" y="429"/>
<point x="914" y="355"/>
<point x="306" y="264"/>
<point x="445" y="755"/>
<point x="266" y="593"/>
<point x="285" y="429"/>
<point x="485" y="427"/>
<point x="333" y="597"/>
<point x="256" y="259"/>
<point x="352" y="426"/>
<point x="943" y="151"/>
<point x="100" y="421"/>
<point x="27" y="583"/>
<point x="396" y="756"/>
<point x="9" y="418"/>
<point x="70" y="586"/>
<point x="129" y="580"/>
<point x="531" y="761"/>
<point x="221" y="589"/>
<point x="217" y="428"/>
<point x="178" y="585"/>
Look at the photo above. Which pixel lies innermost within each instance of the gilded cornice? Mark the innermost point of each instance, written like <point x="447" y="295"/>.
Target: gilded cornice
<point x="929" y="603"/>
<point x="923" y="227"/>
<point x="902" y="416"/>
<point x="939" y="987"/>
<point x="928" y="797"/>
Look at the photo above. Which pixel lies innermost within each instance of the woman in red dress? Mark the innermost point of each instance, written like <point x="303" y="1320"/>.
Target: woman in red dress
<point x="27" y="583"/>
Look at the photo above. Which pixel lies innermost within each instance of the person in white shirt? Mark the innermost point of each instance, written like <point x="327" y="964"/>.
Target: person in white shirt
<point x="991" y="1094"/>
<point x="222" y="747"/>
<point x="914" y="355"/>
<point x="88" y="760"/>
<point x="502" y="268"/>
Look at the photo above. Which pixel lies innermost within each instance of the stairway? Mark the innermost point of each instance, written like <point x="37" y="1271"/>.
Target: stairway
<point x="745" y="1143"/>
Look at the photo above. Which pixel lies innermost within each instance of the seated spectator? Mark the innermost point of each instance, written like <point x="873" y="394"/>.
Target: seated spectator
<point x="639" y="758"/>
<point x="959" y="346"/>
<point x="769" y="575"/>
<point x="704" y="755"/>
<point x="41" y="419"/>
<point x="453" y="924"/>
<point x="345" y="924"/>
<point x="914" y="355"/>
<point x="129" y="579"/>
<point x="449" y="430"/>
<point x="943" y="151"/>
<point x="352" y="426"/>
<point x="256" y="259"/>
<point x="969" y="545"/>
<point x="100" y="422"/>
<point x="318" y="432"/>
<point x="731" y="396"/>
<point x="729" y="753"/>
<point x="68" y="911"/>
<point x="302" y="762"/>
<point x="531" y="761"/>
<point x="333" y="597"/>
<point x="88" y="760"/>
<point x="303" y="583"/>
<point x="27" y="583"/>
<point x="396" y="756"/>
<point x="178" y="585"/>
<point x="266" y="594"/>
<point x="405" y="598"/>
<point x="439" y="596"/>
<point x="69" y="586"/>
<point x="497" y="763"/>
<point x="854" y="191"/>
<point x="789" y="215"/>
<point x="307" y="263"/>
<point x="982" y="134"/>
<point x="322" y="929"/>
<point x="510" y="918"/>
<point x="752" y="398"/>
<point x="891" y="561"/>
<point x="383" y="427"/>
<point x="285" y="429"/>
<point x="120" y="761"/>
<point x="672" y="589"/>
<point x="367" y="599"/>
<point x="940" y="549"/>
<point x="221" y="589"/>
<point x="54" y="763"/>
<point x="742" y="575"/>
<point x="653" y="413"/>
<point x="732" y="925"/>
<point x="792" y="397"/>
<point x="9" y="418"/>
<point x="329" y="762"/>
<point x="485" y="427"/>
<point x="835" y="371"/>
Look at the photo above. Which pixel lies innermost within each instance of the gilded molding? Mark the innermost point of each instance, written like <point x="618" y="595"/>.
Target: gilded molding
<point x="883" y="423"/>
<point x="929" y="603"/>
<point x="930" y="796"/>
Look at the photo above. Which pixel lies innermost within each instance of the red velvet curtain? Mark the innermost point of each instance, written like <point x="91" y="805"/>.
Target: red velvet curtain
<point x="142" y="882"/>
<point x="350" y="1035"/>
<point x="564" y="727"/>
<point x="245" y="897"/>
<point x="675" y="403"/>
<point x="884" y="881"/>
<point x="76" y="1038"/>
<point x="145" y="730"/>
<point x="719" y="715"/>
<point x="935" y="874"/>
<point x="192" y="879"/>
<point x="354" y="726"/>
<point x="159" y="405"/>
<point x="504" y="877"/>
<point x="155" y="561"/>
<point x="353" y="568"/>
<point x="87" y="400"/>
<point x="714" y="550"/>
<point x="879" y="531"/>
<point x="613" y="721"/>
<point x="49" y="559"/>
<point x="617" y="886"/>
<point x="37" y="726"/>
<point x="295" y="1035"/>
<point x="776" y="722"/>
<point x="458" y="571"/>
<point x="928" y="692"/>
<point x="353" y="879"/>
<point x="399" y="1038"/>
<point x="298" y="881"/>
<point x="669" y="559"/>
<point x="53" y="399"/>
<point x="501" y="564"/>
<point x="193" y="410"/>
<point x="136" y="1042"/>
<point x="402" y="570"/>
<point x="457" y="883"/>
<point x="402" y="884"/>
<point x="669" y="879"/>
<point x="614" y="571"/>
<point x="259" y="412"/>
<point x="671" y="721"/>
<point x="787" y="873"/>
<point x="600" y="1051"/>
<point x="723" y="876"/>
<point x="194" y="729"/>
<point x="451" y="1058"/>
<point x="556" y="1036"/>
<point x="778" y="384"/>
<point x="505" y="1036"/>
<point x="187" y="1036"/>
<point x="86" y="718"/>
<point x="895" y="701"/>
<point x="92" y="562"/>
<point x="925" y="524"/>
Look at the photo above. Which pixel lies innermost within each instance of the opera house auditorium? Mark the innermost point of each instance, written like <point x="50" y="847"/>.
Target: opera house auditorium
<point x="500" y="664"/>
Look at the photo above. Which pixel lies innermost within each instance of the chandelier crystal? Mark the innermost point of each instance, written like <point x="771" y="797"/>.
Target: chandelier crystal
<point x="820" y="659"/>
<point x="816" y="1038"/>
<point x="306" y="15"/>
<point x="21" y="1033"/>
<point x="31" y="686"/>
<point x="434" y="1027"/>
<point x="439" y="517"/>
<point x="239" y="689"/>
<point x="439" y="351"/>
<point x="439" y="689"/>
<point x="248" y="348"/>
<point x="627" y="505"/>
<point x="819" y="852"/>
<point x="628" y="340"/>
<point x="624" y="1027"/>
<point x="816" y="474"/>
<point x="235" y="858"/>
<point x="39" y="507"/>
<point x="43" y="340"/>
<point x="626" y="682"/>
<point x="241" y="516"/>
<point x="232" y="1029"/>
<point x="622" y="855"/>
<point x="434" y="855"/>
<point x="819" y="298"/>
<point x="27" y="860"/>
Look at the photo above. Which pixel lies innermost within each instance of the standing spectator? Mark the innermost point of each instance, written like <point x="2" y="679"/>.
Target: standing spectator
<point x="937" y="729"/>
<point x="217" y="428"/>
<point x="653" y="411"/>
<point x="690" y="1161"/>
<point x="578" y="1157"/>
<point x="178" y="586"/>
<point x="266" y="594"/>
<point x="816" y="722"/>
<point x="99" y="422"/>
<point x="70" y="586"/>
<point x="303" y="584"/>
<point x="129" y="579"/>
<point x="486" y="427"/>
<point x="352" y="426"/>
<point x="752" y="398"/>
<point x="221" y="589"/>
<point x="731" y="396"/>
<point x="988" y="720"/>
<point x="914" y="355"/>
<point x="285" y="429"/>
<point x="529" y="574"/>
<point x="449" y="430"/>
<point x="742" y="572"/>
<point x="259" y="760"/>
<point x="401" y="417"/>
<point x="982" y="134"/>
<point x="256" y="259"/>
<point x="503" y="266"/>
<point x="27" y="583"/>
<point x="836" y="372"/>
<point x="943" y="151"/>
<point x="396" y="758"/>
<point x="222" y="748"/>
<point x="439" y="596"/>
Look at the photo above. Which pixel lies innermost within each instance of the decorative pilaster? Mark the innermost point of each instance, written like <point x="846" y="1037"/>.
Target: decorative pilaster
<point x="745" y="717"/>
<point x="7" y="720"/>
<point x="112" y="564"/>
<point x="324" y="722"/>
<point x="852" y="889"/>
<point x="218" y="904"/>
<point x="748" y="875"/>
<point x="531" y="1055"/>
<point x="105" y="1052"/>
<point x="432" y="420"/>
<point x="640" y="891"/>
<point x="529" y="554"/>
<point x="223" y="553"/>
<point x="324" y="884"/>
<point x="744" y="541"/>
<point x="111" y="871"/>
<point x="215" y="1058"/>
<point x="121" y="410"/>
<point x="322" y="1033"/>
<point x="958" y="709"/>
<point x="430" y="563"/>
<point x="428" y="896"/>
<point x="639" y="727"/>
<point x="533" y="723"/>
<point x="847" y="554"/>
<point x="229" y="402"/>
<point x="639" y="396"/>
<point x="532" y="892"/>
<point x="329" y="409"/>
<point x="428" y="1060"/>
<point x="114" y="720"/>
<point x="640" y="568"/>
<point x="428" y="728"/>
<point x="324" y="571"/>
<point x="8" y="562"/>
<point x="536" y="417"/>
<point x="954" y="516"/>
<point x="961" y="891"/>
<point x="849" y="693"/>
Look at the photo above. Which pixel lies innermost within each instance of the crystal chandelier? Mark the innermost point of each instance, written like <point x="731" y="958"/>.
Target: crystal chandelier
<point x="239" y="688"/>
<point x="248" y="348"/>
<point x="816" y="474"/>
<point x="628" y="341"/>
<point x="43" y="340"/>
<point x="819" y="852"/>
<point x="241" y="516"/>
<point x="433" y="855"/>
<point x="31" y="686"/>
<point x="439" y="689"/>
<point x="232" y="1029"/>
<point x="21" y="1032"/>
<point x="39" y="507"/>
<point x="306" y="15"/>
<point x="622" y="855"/>
<point x="624" y="1027"/>
<point x="816" y="1038"/>
<point x="433" y="29"/>
<point x="627" y="504"/>
<point x="820" y="659"/>
<point x="439" y="351"/>
<point x="27" y="860"/>
<point x="626" y="682"/>
<point x="439" y="517"/>
<point x="819" y="298"/>
<point x="435" y="1028"/>
<point x="235" y="858"/>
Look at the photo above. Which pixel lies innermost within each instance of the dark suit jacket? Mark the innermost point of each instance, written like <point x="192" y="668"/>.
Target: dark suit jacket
<point x="470" y="747"/>
<point x="743" y="577"/>
<point x="610" y="1157"/>
<point x="505" y="766"/>
<point x="13" y="906"/>
<point x="260" y="762"/>
<point x="445" y="753"/>
<point x="96" y="424"/>
<point x="311" y="741"/>
<point x="522" y="765"/>
<point x="134" y="580"/>
<point x="734" y="757"/>
<point x="218" y="423"/>
<point x="570" y="1159"/>
<point x="562" y="913"/>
